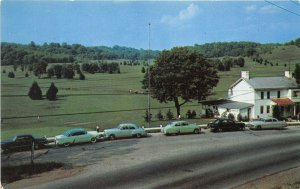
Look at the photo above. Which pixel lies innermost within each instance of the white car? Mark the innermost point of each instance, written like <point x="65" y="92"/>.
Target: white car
<point x="267" y="123"/>
<point x="125" y="130"/>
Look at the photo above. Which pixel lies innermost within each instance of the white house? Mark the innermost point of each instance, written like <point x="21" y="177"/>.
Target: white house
<point x="254" y="97"/>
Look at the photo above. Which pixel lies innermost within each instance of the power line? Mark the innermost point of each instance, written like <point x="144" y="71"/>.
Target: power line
<point x="295" y="2"/>
<point x="282" y="8"/>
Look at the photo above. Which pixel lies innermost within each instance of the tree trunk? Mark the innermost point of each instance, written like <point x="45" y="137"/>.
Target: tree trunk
<point x="177" y="106"/>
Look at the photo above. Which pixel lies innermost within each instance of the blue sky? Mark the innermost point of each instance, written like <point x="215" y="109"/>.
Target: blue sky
<point x="95" y="23"/>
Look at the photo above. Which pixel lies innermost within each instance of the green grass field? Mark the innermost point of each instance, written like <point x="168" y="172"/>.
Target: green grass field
<point x="103" y="99"/>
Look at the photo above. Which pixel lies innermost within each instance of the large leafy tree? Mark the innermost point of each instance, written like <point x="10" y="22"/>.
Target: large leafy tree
<point x="181" y="75"/>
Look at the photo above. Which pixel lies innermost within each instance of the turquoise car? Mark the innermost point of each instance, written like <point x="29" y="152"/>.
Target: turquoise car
<point x="125" y="130"/>
<point x="78" y="135"/>
<point x="181" y="127"/>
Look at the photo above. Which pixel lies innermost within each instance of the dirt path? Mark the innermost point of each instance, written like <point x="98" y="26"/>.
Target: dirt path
<point x="45" y="177"/>
<point x="289" y="179"/>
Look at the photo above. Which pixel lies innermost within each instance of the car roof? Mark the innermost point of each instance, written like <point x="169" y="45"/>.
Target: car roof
<point x="182" y="121"/>
<point x="127" y="124"/>
<point x="75" y="130"/>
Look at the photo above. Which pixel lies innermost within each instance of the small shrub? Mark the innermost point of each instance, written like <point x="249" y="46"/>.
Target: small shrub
<point x="239" y="117"/>
<point x="246" y="119"/>
<point x="189" y="114"/>
<point x="4" y="71"/>
<point x="147" y="116"/>
<point x="11" y="74"/>
<point x="159" y="115"/>
<point x="143" y="70"/>
<point x="231" y="116"/>
<point x="169" y="115"/>
<point x="26" y="75"/>
<point x="194" y="114"/>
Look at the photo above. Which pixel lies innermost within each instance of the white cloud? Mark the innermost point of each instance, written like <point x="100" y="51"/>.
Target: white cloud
<point x="186" y="14"/>
<point x="251" y="8"/>
<point x="268" y="9"/>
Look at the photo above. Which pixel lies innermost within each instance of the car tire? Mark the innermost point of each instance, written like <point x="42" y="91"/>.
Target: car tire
<point x="36" y="147"/>
<point x="196" y="131"/>
<point x="138" y="135"/>
<point x="66" y="144"/>
<point x="93" y="140"/>
<point x="112" y="137"/>
<point x="258" y="127"/>
<point x="220" y="130"/>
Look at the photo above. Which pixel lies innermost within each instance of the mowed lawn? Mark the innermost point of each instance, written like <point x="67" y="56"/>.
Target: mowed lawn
<point x="101" y="99"/>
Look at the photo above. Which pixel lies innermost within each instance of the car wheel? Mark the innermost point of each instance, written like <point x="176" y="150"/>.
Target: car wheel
<point x="138" y="135"/>
<point x="196" y="131"/>
<point x="220" y="130"/>
<point x="93" y="140"/>
<point x="258" y="127"/>
<point x="112" y="137"/>
<point x="66" y="144"/>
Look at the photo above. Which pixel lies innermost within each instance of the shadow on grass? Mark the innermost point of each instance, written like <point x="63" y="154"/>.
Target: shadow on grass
<point x="13" y="173"/>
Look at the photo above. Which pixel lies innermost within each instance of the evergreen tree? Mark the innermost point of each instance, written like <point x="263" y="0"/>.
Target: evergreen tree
<point x="35" y="92"/>
<point x="159" y="115"/>
<point x="143" y="70"/>
<point x="297" y="73"/>
<point x="169" y="115"/>
<point x="51" y="93"/>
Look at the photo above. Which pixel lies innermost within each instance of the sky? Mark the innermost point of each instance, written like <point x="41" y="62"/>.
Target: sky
<point x="126" y="23"/>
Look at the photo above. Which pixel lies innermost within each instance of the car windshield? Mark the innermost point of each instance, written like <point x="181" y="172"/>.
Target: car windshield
<point x="216" y="121"/>
<point x="67" y="133"/>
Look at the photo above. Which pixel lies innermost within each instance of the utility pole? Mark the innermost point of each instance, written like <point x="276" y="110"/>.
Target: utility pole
<point x="148" y="71"/>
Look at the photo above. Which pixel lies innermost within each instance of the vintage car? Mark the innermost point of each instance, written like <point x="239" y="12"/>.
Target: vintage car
<point x="125" y="130"/>
<point x="23" y="143"/>
<point x="224" y="124"/>
<point x="78" y="135"/>
<point x="181" y="127"/>
<point x="267" y="123"/>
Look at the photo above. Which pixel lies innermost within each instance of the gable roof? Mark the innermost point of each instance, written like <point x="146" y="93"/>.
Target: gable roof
<point x="269" y="83"/>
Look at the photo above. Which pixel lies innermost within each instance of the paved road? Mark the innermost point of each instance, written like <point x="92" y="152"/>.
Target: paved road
<point x="208" y="160"/>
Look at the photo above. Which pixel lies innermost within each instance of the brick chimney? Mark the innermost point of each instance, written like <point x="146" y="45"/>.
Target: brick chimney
<point x="245" y="75"/>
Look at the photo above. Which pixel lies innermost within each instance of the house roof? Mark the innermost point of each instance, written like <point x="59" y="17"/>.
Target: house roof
<point x="283" y="101"/>
<point x="224" y="103"/>
<point x="269" y="83"/>
<point x="235" y="105"/>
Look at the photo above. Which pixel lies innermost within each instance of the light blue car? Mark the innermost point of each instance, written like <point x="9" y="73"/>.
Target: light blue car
<point x="125" y="130"/>
<point x="78" y="135"/>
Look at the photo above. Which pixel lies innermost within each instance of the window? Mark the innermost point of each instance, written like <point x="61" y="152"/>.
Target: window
<point x="261" y="109"/>
<point x="262" y="95"/>
<point x="268" y="95"/>
<point x="278" y="94"/>
<point x="268" y="109"/>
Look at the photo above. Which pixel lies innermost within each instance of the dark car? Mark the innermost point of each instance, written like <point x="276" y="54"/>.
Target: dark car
<point x="23" y="143"/>
<point x="223" y="124"/>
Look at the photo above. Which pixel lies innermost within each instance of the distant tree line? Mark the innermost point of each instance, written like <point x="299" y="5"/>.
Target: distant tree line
<point x="294" y="42"/>
<point x="227" y="63"/>
<point x="12" y="53"/>
<point x="101" y="67"/>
